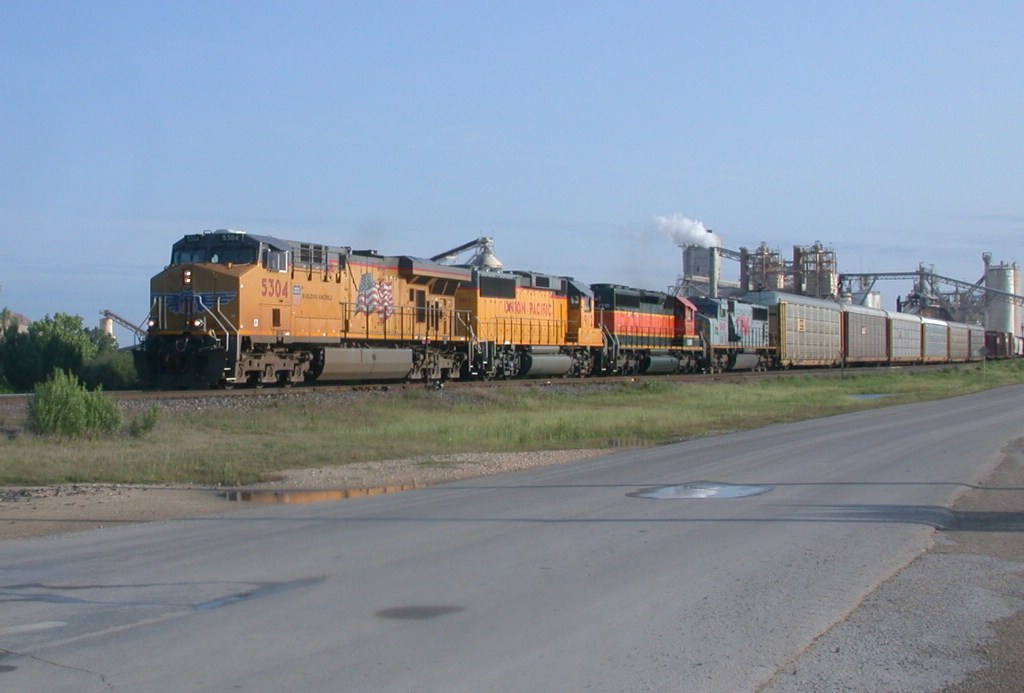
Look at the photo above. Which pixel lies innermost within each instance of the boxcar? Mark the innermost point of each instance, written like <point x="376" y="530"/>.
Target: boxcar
<point x="904" y="338"/>
<point x="998" y="345"/>
<point x="977" y="342"/>
<point x="934" y="340"/>
<point x="806" y="331"/>
<point x="959" y="342"/>
<point x="865" y="335"/>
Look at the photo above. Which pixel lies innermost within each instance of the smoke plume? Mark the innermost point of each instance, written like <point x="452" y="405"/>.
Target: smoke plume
<point x="684" y="231"/>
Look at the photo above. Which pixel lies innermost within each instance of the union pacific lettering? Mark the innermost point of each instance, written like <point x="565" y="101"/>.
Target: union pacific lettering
<point x="528" y="308"/>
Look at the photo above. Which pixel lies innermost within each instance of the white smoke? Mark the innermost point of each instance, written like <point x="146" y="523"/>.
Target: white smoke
<point x="684" y="231"/>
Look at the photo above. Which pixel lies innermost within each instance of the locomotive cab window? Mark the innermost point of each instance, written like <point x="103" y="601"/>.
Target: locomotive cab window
<point x="188" y="256"/>
<point x="276" y="260"/>
<point x="233" y="255"/>
<point x="310" y="253"/>
<point x="444" y="287"/>
<point x="216" y="255"/>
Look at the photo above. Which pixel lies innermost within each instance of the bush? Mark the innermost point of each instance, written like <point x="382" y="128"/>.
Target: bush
<point x="143" y="423"/>
<point x="63" y="406"/>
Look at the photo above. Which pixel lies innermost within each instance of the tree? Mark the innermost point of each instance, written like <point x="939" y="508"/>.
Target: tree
<point x="57" y="343"/>
<point x="110" y="370"/>
<point x="104" y="342"/>
<point x="6" y="321"/>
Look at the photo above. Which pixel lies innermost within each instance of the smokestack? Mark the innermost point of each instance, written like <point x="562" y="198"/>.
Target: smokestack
<point x="685" y="232"/>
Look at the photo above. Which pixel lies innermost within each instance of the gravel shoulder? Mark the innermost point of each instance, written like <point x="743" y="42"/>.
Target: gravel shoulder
<point x="952" y="620"/>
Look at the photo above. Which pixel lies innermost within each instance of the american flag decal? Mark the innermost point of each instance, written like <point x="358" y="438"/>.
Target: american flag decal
<point x="375" y="297"/>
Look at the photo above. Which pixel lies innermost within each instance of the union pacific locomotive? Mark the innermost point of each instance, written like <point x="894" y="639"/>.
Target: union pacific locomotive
<point x="238" y="308"/>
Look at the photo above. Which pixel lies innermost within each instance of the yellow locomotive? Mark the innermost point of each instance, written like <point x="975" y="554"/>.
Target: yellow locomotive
<point x="235" y="308"/>
<point x="527" y="324"/>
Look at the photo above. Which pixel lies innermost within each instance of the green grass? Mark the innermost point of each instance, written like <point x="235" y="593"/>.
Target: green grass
<point x="225" y="446"/>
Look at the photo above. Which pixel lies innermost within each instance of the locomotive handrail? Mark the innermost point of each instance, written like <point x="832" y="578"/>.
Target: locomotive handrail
<point x="157" y="304"/>
<point x="465" y="319"/>
<point x="705" y="336"/>
<point x="612" y="341"/>
<point x="224" y="324"/>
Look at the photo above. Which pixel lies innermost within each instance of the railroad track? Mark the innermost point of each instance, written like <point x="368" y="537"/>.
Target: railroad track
<point x="737" y="377"/>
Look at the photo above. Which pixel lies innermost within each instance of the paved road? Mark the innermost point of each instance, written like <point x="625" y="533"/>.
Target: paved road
<point x="563" y="578"/>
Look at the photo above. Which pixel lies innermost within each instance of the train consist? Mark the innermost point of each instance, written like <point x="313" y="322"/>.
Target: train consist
<point x="238" y="308"/>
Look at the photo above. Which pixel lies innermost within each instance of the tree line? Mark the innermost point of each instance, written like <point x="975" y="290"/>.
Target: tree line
<point x="61" y="343"/>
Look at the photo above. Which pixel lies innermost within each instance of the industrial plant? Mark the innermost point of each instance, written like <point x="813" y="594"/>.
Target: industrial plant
<point x="993" y="301"/>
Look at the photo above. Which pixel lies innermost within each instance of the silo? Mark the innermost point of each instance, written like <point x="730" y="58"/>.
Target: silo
<point x="1002" y="315"/>
<point x="870" y="299"/>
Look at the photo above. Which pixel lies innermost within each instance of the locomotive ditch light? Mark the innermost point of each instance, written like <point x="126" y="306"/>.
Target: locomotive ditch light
<point x="197" y="322"/>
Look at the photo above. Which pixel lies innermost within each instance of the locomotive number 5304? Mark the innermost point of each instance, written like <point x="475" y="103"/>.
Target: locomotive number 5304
<point x="276" y="288"/>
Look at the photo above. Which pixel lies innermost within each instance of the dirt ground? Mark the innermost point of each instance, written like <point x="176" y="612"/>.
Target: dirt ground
<point x="991" y="517"/>
<point x="29" y="511"/>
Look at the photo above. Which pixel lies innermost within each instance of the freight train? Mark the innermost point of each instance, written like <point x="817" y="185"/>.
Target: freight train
<point x="237" y="308"/>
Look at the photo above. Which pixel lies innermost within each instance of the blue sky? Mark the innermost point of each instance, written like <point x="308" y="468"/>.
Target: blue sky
<point x="890" y="131"/>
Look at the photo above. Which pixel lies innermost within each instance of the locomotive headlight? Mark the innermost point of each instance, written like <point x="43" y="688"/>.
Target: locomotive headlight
<point x="186" y="277"/>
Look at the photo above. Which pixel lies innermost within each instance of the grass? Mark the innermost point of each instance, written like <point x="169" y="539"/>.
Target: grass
<point x="225" y="446"/>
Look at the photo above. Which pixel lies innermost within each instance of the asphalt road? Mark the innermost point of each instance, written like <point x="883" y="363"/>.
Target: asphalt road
<point x="564" y="578"/>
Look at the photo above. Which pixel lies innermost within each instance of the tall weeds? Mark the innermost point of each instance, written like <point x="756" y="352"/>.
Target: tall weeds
<point x="63" y="406"/>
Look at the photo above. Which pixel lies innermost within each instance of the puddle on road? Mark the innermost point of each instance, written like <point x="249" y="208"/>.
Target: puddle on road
<point x="700" y="489"/>
<point x="312" y="496"/>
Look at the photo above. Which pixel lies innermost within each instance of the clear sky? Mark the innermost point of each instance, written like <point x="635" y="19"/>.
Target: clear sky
<point x="891" y="131"/>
